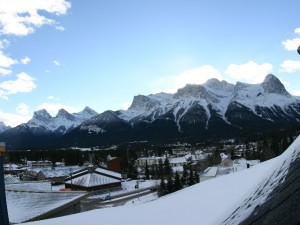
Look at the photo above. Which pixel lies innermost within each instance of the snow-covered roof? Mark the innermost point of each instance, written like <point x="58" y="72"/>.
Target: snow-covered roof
<point x="91" y="180"/>
<point x="211" y="171"/>
<point x="29" y="186"/>
<point x="23" y="206"/>
<point x="108" y="172"/>
<point x="11" y="179"/>
<point x="99" y="177"/>
<point x="177" y="160"/>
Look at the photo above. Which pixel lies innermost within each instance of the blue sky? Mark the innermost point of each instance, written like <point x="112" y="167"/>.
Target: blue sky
<point x="71" y="54"/>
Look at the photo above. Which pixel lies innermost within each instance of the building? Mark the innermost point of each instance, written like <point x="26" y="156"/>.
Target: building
<point x="25" y="206"/>
<point x="39" y="164"/>
<point x="94" y="179"/>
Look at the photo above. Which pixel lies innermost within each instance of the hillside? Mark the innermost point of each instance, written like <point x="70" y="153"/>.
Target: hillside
<point x="231" y="199"/>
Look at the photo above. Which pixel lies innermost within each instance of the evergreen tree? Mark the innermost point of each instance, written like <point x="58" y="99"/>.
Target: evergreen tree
<point x="160" y="169"/>
<point x="184" y="176"/>
<point x="191" y="180"/>
<point x="162" y="188"/>
<point x="170" y="187"/>
<point x="196" y="177"/>
<point x="147" y="172"/>
<point x="167" y="168"/>
<point x="177" y="182"/>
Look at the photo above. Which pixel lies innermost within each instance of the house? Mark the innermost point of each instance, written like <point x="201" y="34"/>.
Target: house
<point x="113" y="164"/>
<point x="39" y="164"/>
<point x="93" y="179"/>
<point x="141" y="162"/>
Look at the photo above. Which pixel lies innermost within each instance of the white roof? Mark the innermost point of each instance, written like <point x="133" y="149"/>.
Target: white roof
<point x="109" y="172"/>
<point x="178" y="160"/>
<point x="211" y="171"/>
<point x="23" y="206"/>
<point x="92" y="179"/>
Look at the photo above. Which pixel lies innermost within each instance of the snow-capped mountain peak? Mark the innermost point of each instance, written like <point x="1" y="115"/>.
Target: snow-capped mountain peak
<point x="272" y="84"/>
<point x="42" y="115"/>
<point x="3" y="127"/>
<point x="64" y="114"/>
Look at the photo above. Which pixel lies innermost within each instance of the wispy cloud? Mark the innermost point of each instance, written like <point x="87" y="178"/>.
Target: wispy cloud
<point x="60" y="28"/>
<point x="4" y="43"/>
<point x="197" y="75"/>
<point x="56" y="62"/>
<point x="292" y="44"/>
<point x="22" y="84"/>
<point x="13" y="120"/>
<point x="290" y="66"/>
<point x="23" y="109"/>
<point x="53" y="108"/>
<point x="250" y="72"/>
<point x="25" y="60"/>
<point x="6" y="61"/>
<point x="21" y="18"/>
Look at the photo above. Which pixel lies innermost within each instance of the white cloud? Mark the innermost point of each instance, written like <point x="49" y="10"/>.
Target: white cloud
<point x="4" y="43"/>
<point x="250" y="72"/>
<point x="13" y="119"/>
<point x="51" y="97"/>
<point x="56" y="62"/>
<point x="23" y="109"/>
<point x="4" y="72"/>
<point x="23" y="17"/>
<point x="53" y="108"/>
<point x="6" y="61"/>
<point x="23" y="84"/>
<point x="291" y="44"/>
<point x="25" y="60"/>
<point x="126" y="105"/>
<point x="197" y="75"/>
<point x="290" y="66"/>
<point x="60" y="28"/>
<point x="296" y="93"/>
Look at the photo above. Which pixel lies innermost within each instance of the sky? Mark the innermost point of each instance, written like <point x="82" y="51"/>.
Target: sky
<point x="70" y="54"/>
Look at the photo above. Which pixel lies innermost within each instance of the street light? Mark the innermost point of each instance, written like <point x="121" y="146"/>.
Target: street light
<point x="3" y="206"/>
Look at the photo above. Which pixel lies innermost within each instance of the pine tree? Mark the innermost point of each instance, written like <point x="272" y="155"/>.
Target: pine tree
<point x="170" y="187"/>
<point x="196" y="177"/>
<point x="160" y="169"/>
<point x="167" y="168"/>
<point x="184" y="176"/>
<point x="191" y="180"/>
<point x="147" y="172"/>
<point x="162" y="188"/>
<point x="177" y="182"/>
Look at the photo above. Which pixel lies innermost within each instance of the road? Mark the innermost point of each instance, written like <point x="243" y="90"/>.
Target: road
<point x="118" y="200"/>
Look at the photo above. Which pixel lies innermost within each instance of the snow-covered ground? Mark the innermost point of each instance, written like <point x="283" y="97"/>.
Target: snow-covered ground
<point x="203" y="203"/>
<point x="209" y="203"/>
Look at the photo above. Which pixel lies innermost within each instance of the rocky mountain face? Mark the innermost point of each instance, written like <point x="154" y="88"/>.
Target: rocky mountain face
<point x="3" y="127"/>
<point x="214" y="109"/>
<point x="43" y="128"/>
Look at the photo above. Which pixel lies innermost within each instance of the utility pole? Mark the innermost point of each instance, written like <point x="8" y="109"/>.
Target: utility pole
<point x="3" y="206"/>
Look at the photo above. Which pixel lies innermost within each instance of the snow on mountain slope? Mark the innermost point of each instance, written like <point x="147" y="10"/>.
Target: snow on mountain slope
<point x="231" y="197"/>
<point x="268" y="100"/>
<point x="3" y="127"/>
<point x="61" y="123"/>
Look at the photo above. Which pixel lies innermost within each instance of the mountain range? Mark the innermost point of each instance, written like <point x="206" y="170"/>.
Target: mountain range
<point x="211" y="110"/>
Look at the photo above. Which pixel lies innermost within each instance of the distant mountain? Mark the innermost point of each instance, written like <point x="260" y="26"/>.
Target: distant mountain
<point x="3" y="127"/>
<point x="212" y="110"/>
<point x="43" y="127"/>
